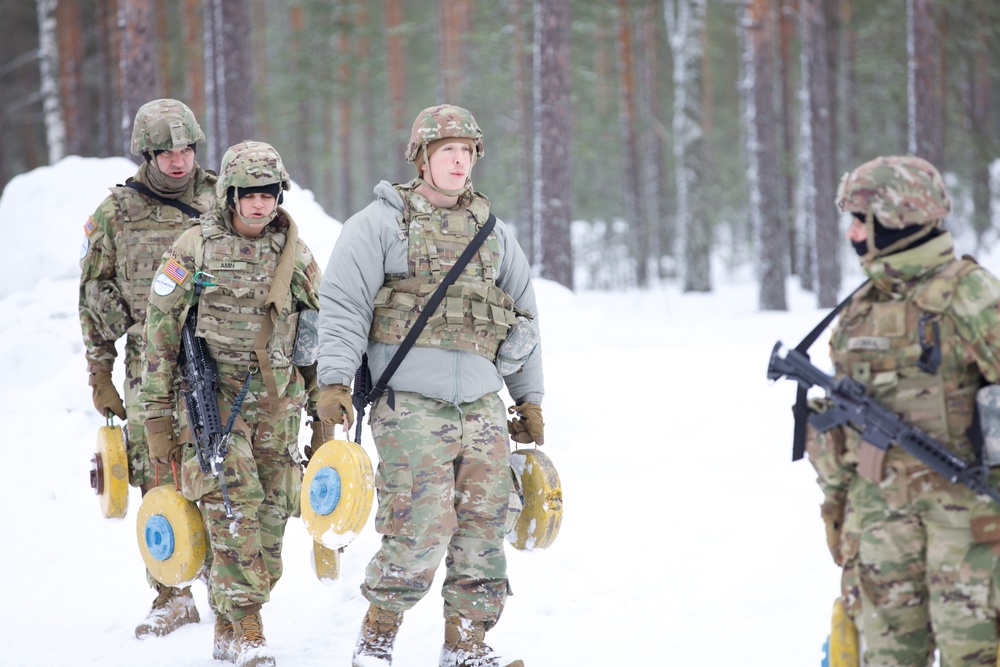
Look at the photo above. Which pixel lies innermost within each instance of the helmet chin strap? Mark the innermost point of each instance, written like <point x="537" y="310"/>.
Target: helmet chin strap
<point x="448" y="193"/>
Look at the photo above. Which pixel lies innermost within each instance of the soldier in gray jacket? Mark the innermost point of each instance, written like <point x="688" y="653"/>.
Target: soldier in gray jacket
<point x="444" y="479"/>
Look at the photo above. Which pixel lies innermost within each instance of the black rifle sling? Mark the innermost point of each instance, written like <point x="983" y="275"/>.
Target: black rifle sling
<point x="186" y="209"/>
<point x="428" y="310"/>
<point x="801" y="410"/>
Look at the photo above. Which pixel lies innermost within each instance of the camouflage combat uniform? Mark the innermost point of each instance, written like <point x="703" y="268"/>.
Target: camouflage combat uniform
<point x="123" y="242"/>
<point x="444" y="477"/>
<point x="263" y="467"/>
<point x="913" y="546"/>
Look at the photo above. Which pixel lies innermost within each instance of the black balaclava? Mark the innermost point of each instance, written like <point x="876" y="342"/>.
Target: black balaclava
<point x="886" y="236"/>
<point x="273" y="189"/>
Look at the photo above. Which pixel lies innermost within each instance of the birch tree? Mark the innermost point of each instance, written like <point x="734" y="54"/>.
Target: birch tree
<point x="685" y="22"/>
<point x="48" y="61"/>
<point x="553" y="191"/>
<point x="770" y="233"/>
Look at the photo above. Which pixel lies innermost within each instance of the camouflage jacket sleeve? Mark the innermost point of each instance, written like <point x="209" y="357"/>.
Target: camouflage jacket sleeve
<point x="976" y="312"/>
<point x="829" y="455"/>
<point x="172" y="295"/>
<point x="305" y="296"/>
<point x="104" y="316"/>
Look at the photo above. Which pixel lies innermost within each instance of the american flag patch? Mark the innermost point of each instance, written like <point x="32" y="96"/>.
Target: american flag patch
<point x="175" y="271"/>
<point x="89" y="227"/>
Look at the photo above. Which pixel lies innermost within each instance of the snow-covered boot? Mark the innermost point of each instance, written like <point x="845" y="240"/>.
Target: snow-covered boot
<point x="464" y="646"/>
<point x="223" y="648"/>
<point x="172" y="608"/>
<point x="378" y="632"/>
<point x="249" y="644"/>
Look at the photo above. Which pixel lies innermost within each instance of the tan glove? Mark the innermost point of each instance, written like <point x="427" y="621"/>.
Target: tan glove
<point x="162" y="441"/>
<point x="106" y="396"/>
<point x="317" y="440"/>
<point x="528" y="426"/>
<point x="833" y="517"/>
<point x="334" y="404"/>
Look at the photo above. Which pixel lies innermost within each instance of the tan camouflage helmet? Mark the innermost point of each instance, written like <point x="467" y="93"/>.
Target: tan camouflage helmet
<point x="900" y="191"/>
<point x="443" y="121"/>
<point x="163" y="125"/>
<point x="250" y="164"/>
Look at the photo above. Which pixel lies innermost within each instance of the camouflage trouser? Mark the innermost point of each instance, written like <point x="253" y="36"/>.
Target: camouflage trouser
<point x="142" y="472"/>
<point x="264" y="479"/>
<point x="443" y="485"/>
<point x="924" y="582"/>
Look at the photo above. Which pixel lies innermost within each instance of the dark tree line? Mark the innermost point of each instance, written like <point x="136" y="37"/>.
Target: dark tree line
<point x="676" y="133"/>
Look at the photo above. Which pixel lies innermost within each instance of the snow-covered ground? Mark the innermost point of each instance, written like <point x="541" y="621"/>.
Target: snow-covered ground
<point x="688" y="538"/>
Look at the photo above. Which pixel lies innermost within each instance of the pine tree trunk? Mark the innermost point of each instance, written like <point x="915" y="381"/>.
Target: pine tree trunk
<point x="639" y="241"/>
<point x="70" y="85"/>
<point x="552" y="140"/>
<point x="520" y="111"/>
<point x="827" y="241"/>
<point x="654" y="135"/>
<point x="769" y="230"/>
<point x="925" y="96"/>
<point x="137" y="64"/>
<point x="396" y="57"/>
<point x="786" y="35"/>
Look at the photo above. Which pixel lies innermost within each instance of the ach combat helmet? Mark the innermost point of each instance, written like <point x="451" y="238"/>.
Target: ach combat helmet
<point x="251" y="164"/>
<point x="898" y="190"/>
<point x="163" y="125"/>
<point x="444" y="121"/>
<point x="900" y="199"/>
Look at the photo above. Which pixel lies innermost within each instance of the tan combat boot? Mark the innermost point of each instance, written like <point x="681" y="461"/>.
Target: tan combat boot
<point x="464" y="646"/>
<point x="222" y="649"/>
<point x="249" y="644"/>
<point x="172" y="608"/>
<point x="378" y="632"/>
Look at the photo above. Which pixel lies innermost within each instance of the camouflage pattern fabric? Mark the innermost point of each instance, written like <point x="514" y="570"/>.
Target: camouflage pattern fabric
<point x="444" y="482"/>
<point x="163" y="125"/>
<point x="264" y="480"/>
<point x="263" y="467"/>
<point x="907" y="548"/>
<point x="899" y="190"/>
<point x="123" y="242"/>
<point x="443" y="121"/>
<point x="476" y="315"/>
<point x="250" y="164"/>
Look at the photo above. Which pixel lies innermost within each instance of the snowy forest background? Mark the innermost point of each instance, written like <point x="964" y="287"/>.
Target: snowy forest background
<point x="627" y="141"/>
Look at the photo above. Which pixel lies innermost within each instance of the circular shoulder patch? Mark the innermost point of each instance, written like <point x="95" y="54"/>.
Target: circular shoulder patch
<point x="84" y="247"/>
<point x="163" y="285"/>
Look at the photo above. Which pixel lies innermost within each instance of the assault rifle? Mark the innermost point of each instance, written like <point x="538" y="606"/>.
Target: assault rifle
<point x="877" y="425"/>
<point x="359" y="397"/>
<point x="201" y="377"/>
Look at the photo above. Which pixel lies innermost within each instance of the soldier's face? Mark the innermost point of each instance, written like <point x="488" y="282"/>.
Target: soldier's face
<point x="449" y="166"/>
<point x="257" y="205"/>
<point x="176" y="163"/>
<point x="856" y="232"/>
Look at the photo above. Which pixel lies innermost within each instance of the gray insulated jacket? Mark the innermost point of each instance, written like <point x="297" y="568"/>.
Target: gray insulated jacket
<point x="372" y="246"/>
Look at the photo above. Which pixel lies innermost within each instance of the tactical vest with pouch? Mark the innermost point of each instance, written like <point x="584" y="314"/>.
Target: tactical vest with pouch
<point x="904" y="350"/>
<point x="232" y="305"/>
<point x="148" y="231"/>
<point x="476" y="315"/>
